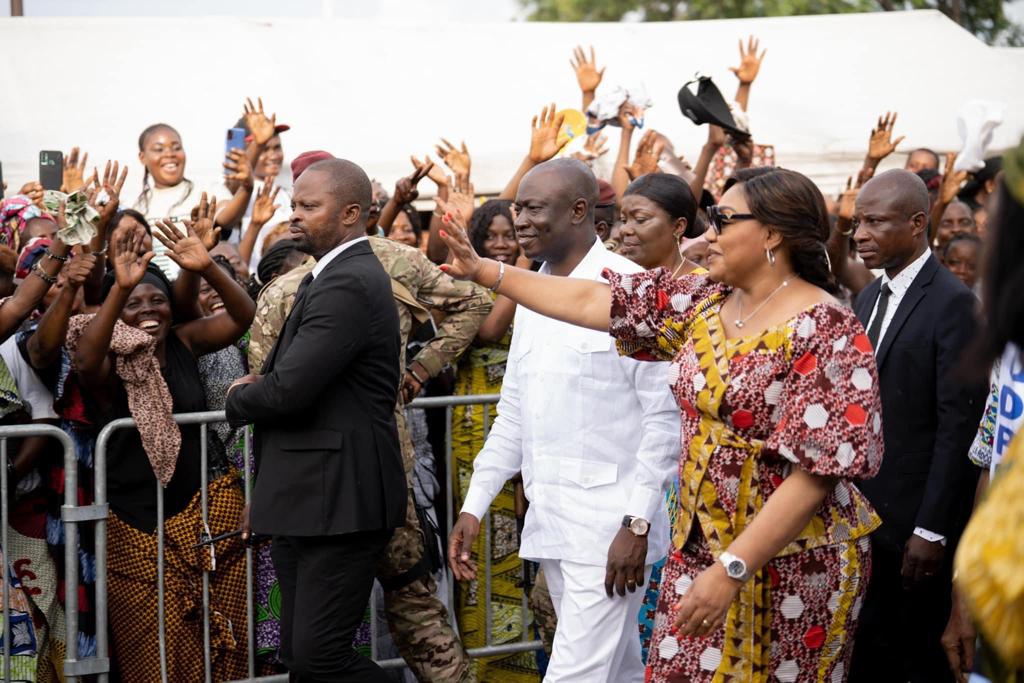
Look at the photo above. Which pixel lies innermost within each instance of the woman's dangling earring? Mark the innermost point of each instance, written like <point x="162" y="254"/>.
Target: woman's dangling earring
<point x="682" y="259"/>
<point x="771" y="257"/>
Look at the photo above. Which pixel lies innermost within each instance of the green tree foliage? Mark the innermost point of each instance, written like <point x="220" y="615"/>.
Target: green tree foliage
<point x="984" y="18"/>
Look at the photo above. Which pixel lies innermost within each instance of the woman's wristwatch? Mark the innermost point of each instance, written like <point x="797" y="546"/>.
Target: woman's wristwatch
<point x="735" y="567"/>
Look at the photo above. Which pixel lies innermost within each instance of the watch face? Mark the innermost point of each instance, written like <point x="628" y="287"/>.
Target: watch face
<point x="639" y="526"/>
<point x="736" y="569"/>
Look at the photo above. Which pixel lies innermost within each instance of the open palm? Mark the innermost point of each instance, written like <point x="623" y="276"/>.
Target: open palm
<point x="187" y="250"/>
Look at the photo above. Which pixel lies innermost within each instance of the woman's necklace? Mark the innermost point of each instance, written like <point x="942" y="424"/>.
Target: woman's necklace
<point x="681" y="264"/>
<point x="741" y="321"/>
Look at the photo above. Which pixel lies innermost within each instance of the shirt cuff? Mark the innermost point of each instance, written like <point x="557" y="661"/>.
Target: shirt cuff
<point x="431" y="361"/>
<point x="930" y="536"/>
<point x="644" y="502"/>
<point x="477" y="502"/>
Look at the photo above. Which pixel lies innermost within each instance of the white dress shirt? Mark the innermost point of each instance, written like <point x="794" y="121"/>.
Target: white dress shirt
<point x="333" y="254"/>
<point x="899" y="286"/>
<point x="595" y="434"/>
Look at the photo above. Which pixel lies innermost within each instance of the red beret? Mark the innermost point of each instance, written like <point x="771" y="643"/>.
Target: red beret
<point x="305" y="160"/>
<point x="606" y="195"/>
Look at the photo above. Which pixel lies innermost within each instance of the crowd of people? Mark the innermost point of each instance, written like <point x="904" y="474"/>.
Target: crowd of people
<point x="749" y="429"/>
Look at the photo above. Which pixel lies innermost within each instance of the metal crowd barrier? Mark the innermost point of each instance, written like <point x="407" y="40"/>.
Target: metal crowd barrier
<point x="74" y="514"/>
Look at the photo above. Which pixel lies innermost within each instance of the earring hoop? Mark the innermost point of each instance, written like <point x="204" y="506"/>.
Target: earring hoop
<point x="771" y="257"/>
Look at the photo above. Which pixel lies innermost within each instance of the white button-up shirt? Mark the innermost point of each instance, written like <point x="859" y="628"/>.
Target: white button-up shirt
<point x="334" y="253"/>
<point x="595" y="434"/>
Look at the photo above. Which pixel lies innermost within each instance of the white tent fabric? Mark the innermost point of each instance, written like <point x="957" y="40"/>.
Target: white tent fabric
<point x="377" y="92"/>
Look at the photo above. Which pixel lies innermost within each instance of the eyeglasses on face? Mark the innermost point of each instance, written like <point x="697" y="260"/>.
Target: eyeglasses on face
<point x="719" y="218"/>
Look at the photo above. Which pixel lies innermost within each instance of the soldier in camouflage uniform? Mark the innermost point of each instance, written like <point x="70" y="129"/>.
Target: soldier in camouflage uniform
<point x="417" y="619"/>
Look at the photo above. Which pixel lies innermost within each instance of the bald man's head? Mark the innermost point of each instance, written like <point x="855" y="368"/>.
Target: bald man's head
<point x="330" y="204"/>
<point x="892" y="220"/>
<point x="555" y="212"/>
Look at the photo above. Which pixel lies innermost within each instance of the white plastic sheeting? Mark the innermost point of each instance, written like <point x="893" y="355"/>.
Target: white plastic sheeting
<point x="377" y="92"/>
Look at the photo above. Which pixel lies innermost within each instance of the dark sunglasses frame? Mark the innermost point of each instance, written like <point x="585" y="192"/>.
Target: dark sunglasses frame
<point x="718" y="220"/>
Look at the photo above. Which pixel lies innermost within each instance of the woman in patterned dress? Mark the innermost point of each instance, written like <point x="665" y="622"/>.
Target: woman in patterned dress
<point x="778" y="391"/>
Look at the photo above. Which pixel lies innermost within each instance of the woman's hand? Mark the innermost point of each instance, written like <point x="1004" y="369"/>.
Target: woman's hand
<point x="405" y="188"/>
<point x="466" y="264"/>
<point x="587" y="74"/>
<point x="750" y="61"/>
<point x="202" y="224"/>
<point x="263" y="207"/>
<point x="185" y="250"/>
<point x="127" y="257"/>
<point x="112" y="183"/>
<point x="647" y="154"/>
<point x="78" y="269"/>
<point x="951" y="180"/>
<point x="261" y="127"/>
<point x="237" y="168"/>
<point x="457" y="160"/>
<point x="544" y="135"/>
<point x="702" y="610"/>
<point x="461" y="198"/>
<point x="74" y="171"/>
<point x="34" y="191"/>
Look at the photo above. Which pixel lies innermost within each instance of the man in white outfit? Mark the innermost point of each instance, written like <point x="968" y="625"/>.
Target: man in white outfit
<point x="596" y="437"/>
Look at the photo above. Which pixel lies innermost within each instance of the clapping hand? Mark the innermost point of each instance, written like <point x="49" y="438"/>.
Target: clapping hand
<point x="951" y="180"/>
<point x="263" y="207"/>
<point x="457" y="159"/>
<point x="405" y="188"/>
<point x="202" y="224"/>
<point x="261" y="127"/>
<point x="74" y="171"/>
<point x="587" y="74"/>
<point x="544" y="135"/>
<point x="238" y="169"/>
<point x="186" y="250"/>
<point x="647" y="154"/>
<point x="128" y="257"/>
<point x="881" y="144"/>
<point x="750" y="61"/>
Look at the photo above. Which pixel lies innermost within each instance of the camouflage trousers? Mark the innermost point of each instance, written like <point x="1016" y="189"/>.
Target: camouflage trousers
<point x="417" y="619"/>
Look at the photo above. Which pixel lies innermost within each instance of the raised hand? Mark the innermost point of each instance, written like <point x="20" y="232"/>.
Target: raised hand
<point x="951" y="180"/>
<point x="587" y="74"/>
<point x="74" y="171"/>
<point x="202" y="224"/>
<point x="78" y="269"/>
<point x="128" y="256"/>
<point x="647" y="154"/>
<point x="716" y="136"/>
<point x="544" y="134"/>
<point x="461" y="198"/>
<point x="436" y="173"/>
<point x="465" y="263"/>
<point x="457" y="159"/>
<point x="238" y="169"/>
<point x="881" y="144"/>
<point x="627" y="113"/>
<point x="263" y="207"/>
<point x="186" y="250"/>
<point x="848" y="201"/>
<point x="750" y="61"/>
<point x="111" y="184"/>
<point x="260" y="126"/>
<point x="594" y="148"/>
<point x="405" y="188"/>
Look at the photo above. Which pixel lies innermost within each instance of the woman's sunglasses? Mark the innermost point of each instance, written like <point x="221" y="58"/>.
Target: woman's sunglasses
<point x="719" y="219"/>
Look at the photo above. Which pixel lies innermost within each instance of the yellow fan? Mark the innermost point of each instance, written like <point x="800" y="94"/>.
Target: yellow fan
<point x="573" y="126"/>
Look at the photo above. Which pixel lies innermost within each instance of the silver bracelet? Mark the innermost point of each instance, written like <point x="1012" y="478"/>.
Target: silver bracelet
<point x="501" y="276"/>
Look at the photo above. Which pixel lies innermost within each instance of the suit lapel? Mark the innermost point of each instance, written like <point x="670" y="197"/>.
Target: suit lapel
<point x="907" y="306"/>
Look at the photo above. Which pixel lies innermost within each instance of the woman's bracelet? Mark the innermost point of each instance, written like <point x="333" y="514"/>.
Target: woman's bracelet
<point x="62" y="259"/>
<point x="38" y="270"/>
<point x="501" y="276"/>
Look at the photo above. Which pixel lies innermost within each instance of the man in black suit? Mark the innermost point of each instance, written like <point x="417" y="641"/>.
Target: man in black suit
<point x="919" y="318"/>
<point x="330" y="487"/>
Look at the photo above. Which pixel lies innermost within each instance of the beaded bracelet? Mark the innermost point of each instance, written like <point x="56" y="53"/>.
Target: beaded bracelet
<point x="62" y="259"/>
<point x="38" y="270"/>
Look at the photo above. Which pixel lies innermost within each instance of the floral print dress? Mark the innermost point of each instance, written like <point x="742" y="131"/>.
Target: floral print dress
<point x="802" y="394"/>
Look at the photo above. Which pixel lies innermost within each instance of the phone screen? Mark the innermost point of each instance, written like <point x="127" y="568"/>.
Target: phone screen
<point x="51" y="169"/>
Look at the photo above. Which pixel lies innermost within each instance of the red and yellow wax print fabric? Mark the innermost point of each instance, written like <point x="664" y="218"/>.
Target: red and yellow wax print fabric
<point x="802" y="394"/>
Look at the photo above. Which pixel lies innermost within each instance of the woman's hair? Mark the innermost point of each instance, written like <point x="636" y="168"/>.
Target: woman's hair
<point x="222" y="261"/>
<point x="147" y="191"/>
<point x="271" y="262"/>
<point x="1003" y="277"/>
<point x="671" y="194"/>
<point x="789" y="203"/>
<point x="139" y="218"/>
<point x="414" y="218"/>
<point x="968" y="237"/>
<point x="482" y="218"/>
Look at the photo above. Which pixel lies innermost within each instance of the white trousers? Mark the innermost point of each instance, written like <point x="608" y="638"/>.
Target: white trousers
<point x="598" y="638"/>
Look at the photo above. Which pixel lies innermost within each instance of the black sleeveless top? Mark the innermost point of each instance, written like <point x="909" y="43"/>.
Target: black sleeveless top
<point x="130" y="480"/>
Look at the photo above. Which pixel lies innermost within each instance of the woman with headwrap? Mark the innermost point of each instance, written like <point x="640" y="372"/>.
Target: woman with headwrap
<point x="132" y="361"/>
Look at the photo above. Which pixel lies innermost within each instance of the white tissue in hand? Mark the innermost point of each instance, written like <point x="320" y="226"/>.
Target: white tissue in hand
<point x="975" y="123"/>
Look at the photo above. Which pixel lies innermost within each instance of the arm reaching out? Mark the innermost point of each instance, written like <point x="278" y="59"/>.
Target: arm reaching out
<point x="746" y="72"/>
<point x="580" y="302"/>
<point x="587" y="74"/>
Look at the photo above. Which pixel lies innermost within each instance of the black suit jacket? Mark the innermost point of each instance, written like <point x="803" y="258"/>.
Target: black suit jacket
<point x="327" y="448"/>
<point x="929" y="412"/>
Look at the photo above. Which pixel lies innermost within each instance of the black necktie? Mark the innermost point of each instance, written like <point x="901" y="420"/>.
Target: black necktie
<point x="876" y="324"/>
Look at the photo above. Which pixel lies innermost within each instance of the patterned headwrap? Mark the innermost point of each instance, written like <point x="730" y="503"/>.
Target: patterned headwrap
<point x="15" y="213"/>
<point x="32" y="252"/>
<point x="1013" y="171"/>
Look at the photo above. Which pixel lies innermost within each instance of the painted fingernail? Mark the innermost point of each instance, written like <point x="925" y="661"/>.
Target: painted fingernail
<point x="674" y="630"/>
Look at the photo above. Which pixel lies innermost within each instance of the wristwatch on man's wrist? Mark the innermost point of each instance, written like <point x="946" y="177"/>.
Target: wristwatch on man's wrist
<point x="637" y="525"/>
<point x="735" y="567"/>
